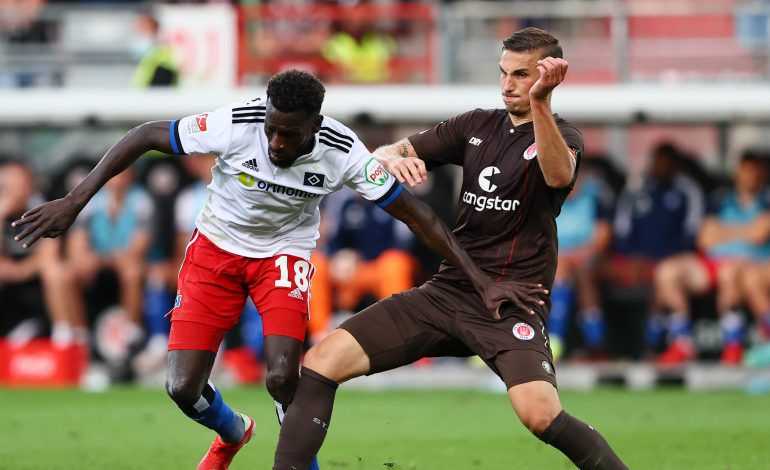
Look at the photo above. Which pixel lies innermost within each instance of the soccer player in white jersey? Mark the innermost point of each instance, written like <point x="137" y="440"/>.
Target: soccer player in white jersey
<point x="277" y="156"/>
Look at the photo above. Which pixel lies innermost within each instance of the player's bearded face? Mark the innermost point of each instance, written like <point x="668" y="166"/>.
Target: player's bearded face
<point x="289" y="135"/>
<point x="518" y="72"/>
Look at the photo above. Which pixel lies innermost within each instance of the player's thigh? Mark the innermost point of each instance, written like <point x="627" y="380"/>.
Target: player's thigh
<point x="516" y="347"/>
<point x="339" y="357"/>
<point x="696" y="272"/>
<point x="280" y="289"/>
<point x="403" y="328"/>
<point x="209" y="289"/>
<point x="728" y="272"/>
<point x="522" y="366"/>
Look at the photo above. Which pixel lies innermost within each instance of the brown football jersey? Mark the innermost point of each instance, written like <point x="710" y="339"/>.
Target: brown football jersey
<point x="507" y="213"/>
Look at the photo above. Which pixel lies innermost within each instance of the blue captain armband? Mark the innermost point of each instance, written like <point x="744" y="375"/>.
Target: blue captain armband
<point x="173" y="135"/>
<point x="389" y="196"/>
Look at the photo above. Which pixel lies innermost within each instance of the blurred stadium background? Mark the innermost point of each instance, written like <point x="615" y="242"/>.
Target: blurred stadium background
<point x="672" y="97"/>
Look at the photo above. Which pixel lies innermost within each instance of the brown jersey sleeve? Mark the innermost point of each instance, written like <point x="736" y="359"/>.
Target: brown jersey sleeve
<point x="445" y="142"/>
<point x="573" y="138"/>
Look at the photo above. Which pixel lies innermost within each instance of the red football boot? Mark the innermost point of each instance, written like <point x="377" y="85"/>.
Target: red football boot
<point x="221" y="453"/>
<point x="680" y="351"/>
<point x="732" y="354"/>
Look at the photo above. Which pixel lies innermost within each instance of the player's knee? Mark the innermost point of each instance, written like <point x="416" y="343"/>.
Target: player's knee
<point x="320" y="359"/>
<point x="339" y="357"/>
<point x="281" y="383"/>
<point x="752" y="280"/>
<point x="184" y="393"/>
<point x="130" y="272"/>
<point x="666" y="274"/>
<point x="315" y="357"/>
<point x="537" y="420"/>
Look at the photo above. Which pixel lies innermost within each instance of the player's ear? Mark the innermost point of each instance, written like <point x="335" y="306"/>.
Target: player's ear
<point x="317" y="124"/>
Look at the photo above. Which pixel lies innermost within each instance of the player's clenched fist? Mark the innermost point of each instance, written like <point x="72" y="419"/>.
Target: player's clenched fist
<point x="552" y="73"/>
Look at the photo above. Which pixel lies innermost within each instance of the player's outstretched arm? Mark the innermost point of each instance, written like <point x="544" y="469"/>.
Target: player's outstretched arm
<point x="421" y="220"/>
<point x="54" y="218"/>
<point x="401" y="160"/>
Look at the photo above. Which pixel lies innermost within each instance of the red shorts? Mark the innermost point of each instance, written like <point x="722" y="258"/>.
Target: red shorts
<point x="711" y="266"/>
<point x="213" y="286"/>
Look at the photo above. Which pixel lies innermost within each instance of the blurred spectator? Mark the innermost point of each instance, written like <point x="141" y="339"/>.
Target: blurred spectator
<point x="659" y="216"/>
<point x="755" y="282"/>
<point x="287" y="35"/>
<point x="189" y="203"/>
<point x="163" y="177"/>
<point x="157" y="63"/>
<point x="655" y="218"/>
<point x="736" y="232"/>
<point x="360" y="52"/>
<point x="24" y="271"/>
<point x="584" y="233"/>
<point x="21" y="26"/>
<point x="112" y="236"/>
<point x="368" y="257"/>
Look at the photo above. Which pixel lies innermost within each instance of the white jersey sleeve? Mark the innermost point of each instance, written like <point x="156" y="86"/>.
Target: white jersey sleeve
<point x="365" y="174"/>
<point x="203" y="133"/>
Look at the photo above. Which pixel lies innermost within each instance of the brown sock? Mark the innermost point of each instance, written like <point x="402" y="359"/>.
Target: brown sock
<point x="306" y="422"/>
<point x="581" y="443"/>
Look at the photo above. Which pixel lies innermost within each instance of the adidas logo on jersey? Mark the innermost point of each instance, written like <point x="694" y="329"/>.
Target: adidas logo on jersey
<point x="251" y="164"/>
<point x="296" y="294"/>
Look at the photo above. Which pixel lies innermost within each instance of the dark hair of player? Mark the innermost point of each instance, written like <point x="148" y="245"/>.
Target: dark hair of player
<point x="295" y="90"/>
<point x="531" y="39"/>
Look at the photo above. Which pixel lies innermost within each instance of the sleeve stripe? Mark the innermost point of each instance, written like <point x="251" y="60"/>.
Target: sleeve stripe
<point x="329" y="136"/>
<point x="338" y="134"/>
<point x="173" y="135"/>
<point x="392" y="194"/>
<point x="336" y="146"/>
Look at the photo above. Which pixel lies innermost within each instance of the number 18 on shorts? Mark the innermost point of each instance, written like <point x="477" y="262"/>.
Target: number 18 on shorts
<point x="213" y="286"/>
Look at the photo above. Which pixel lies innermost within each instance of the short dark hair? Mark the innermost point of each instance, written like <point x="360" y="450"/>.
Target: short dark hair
<point x="668" y="150"/>
<point x="295" y="90"/>
<point x="755" y="155"/>
<point x="531" y="39"/>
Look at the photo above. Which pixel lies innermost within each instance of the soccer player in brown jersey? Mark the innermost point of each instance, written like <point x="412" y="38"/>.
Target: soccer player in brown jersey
<point x="519" y="164"/>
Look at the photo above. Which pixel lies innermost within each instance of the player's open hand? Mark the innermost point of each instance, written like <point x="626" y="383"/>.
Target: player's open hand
<point x="552" y="73"/>
<point x="46" y="221"/>
<point x="523" y="295"/>
<point x="409" y="170"/>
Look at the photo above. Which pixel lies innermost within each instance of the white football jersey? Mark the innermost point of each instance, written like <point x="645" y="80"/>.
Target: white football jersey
<point x="259" y="210"/>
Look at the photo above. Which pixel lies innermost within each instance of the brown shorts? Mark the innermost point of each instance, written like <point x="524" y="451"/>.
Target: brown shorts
<point x="437" y="319"/>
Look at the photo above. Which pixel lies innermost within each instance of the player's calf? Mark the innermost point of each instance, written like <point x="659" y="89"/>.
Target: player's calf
<point x="538" y="407"/>
<point x="210" y="410"/>
<point x="306" y="422"/>
<point x="581" y="443"/>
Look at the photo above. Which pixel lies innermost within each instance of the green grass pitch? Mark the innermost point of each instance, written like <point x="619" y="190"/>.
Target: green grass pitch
<point x="431" y="430"/>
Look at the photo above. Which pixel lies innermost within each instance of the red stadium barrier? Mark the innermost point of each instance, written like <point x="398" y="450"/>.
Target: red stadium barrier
<point x="273" y="38"/>
<point x="39" y="363"/>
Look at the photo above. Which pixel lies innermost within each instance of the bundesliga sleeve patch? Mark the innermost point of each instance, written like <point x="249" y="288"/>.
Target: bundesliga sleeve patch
<point x="198" y="124"/>
<point x="375" y="173"/>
